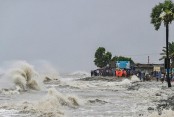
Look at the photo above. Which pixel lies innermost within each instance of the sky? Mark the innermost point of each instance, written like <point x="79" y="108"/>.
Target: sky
<point x="66" y="33"/>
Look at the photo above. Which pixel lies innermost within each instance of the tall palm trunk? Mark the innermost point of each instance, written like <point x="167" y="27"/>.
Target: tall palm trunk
<point x="167" y="54"/>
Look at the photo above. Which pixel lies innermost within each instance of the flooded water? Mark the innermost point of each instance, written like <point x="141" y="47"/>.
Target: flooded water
<point x="25" y="92"/>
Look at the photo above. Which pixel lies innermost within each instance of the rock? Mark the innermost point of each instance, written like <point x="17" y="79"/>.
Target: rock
<point x="134" y="87"/>
<point x="158" y="94"/>
<point x="150" y="108"/>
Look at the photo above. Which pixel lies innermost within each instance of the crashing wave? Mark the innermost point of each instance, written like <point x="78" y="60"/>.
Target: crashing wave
<point x="80" y="74"/>
<point x="48" y="72"/>
<point x="21" y="77"/>
<point x="50" y="105"/>
<point x="126" y="82"/>
<point x="71" y="101"/>
<point x="134" y="78"/>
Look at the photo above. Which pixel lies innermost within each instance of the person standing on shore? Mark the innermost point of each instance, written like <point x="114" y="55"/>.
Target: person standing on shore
<point x="158" y="75"/>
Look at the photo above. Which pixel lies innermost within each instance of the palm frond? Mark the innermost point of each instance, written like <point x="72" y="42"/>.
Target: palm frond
<point x="163" y="12"/>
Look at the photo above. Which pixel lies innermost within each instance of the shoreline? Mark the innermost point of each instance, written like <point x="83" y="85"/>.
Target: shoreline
<point x="102" y="78"/>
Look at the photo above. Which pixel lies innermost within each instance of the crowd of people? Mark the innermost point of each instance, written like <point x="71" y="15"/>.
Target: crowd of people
<point x="144" y="76"/>
<point x="112" y="72"/>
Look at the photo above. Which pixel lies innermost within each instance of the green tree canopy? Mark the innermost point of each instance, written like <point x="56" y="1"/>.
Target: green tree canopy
<point x="163" y="12"/>
<point x="122" y="58"/>
<point x="170" y="51"/>
<point x="102" y="58"/>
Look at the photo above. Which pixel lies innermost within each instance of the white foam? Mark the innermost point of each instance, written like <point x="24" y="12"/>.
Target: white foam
<point x="23" y="76"/>
<point x="10" y="92"/>
<point x="51" y="104"/>
<point x="79" y="84"/>
<point x="165" y="113"/>
<point x="63" y="99"/>
<point x="8" y="113"/>
<point x="125" y="82"/>
<point x="80" y="74"/>
<point x="48" y="71"/>
<point x="134" y="78"/>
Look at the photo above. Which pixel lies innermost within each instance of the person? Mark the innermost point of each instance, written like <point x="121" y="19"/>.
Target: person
<point x="159" y="75"/>
<point x="162" y="77"/>
<point x="95" y="72"/>
<point x="92" y="73"/>
<point x="124" y="73"/>
<point x="116" y="73"/>
<point x="121" y="73"/>
<point x="139" y="74"/>
<point x="143" y="76"/>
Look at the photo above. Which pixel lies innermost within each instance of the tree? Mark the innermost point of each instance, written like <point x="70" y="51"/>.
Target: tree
<point x="102" y="58"/>
<point x="122" y="58"/>
<point x="163" y="12"/>
<point x="108" y="57"/>
<point x="170" y="51"/>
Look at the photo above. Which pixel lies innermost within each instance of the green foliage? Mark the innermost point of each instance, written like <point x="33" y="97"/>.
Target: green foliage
<point x="170" y="50"/>
<point x="108" y="57"/>
<point x="163" y="12"/>
<point x="102" y="58"/>
<point x="122" y="58"/>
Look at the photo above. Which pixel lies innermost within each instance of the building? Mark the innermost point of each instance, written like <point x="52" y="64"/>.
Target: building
<point x="149" y="67"/>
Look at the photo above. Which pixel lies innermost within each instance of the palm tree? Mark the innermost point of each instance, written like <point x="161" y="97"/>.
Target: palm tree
<point x="164" y="12"/>
<point x="170" y="51"/>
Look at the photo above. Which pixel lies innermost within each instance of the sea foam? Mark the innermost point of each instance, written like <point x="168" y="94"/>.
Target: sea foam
<point x="21" y="76"/>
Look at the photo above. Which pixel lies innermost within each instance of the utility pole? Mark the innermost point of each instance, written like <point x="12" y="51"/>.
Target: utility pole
<point x="167" y="54"/>
<point x="148" y="59"/>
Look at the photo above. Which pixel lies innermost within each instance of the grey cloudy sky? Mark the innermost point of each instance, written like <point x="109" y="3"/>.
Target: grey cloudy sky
<point x="67" y="32"/>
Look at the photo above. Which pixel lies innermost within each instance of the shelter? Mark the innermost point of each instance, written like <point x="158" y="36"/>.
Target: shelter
<point x="149" y="67"/>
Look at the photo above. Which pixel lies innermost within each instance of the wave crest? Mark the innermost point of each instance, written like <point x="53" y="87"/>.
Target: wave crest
<point x="23" y="76"/>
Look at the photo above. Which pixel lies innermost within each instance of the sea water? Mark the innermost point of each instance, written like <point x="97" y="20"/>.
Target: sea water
<point x="24" y="91"/>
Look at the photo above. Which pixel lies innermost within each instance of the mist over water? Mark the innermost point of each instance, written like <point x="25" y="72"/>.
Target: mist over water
<point x="26" y="90"/>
